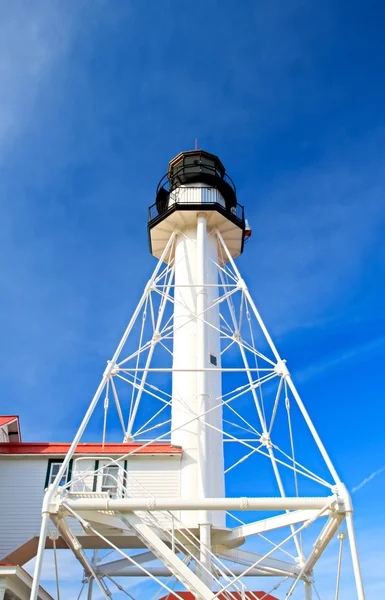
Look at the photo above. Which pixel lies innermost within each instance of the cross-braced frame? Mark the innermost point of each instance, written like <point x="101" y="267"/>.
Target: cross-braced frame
<point x="284" y="500"/>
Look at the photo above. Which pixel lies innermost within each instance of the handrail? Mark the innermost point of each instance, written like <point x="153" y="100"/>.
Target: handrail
<point x="236" y="211"/>
<point x="207" y="169"/>
<point x="123" y="473"/>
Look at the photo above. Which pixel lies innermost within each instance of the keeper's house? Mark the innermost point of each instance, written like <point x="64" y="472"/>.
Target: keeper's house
<point x="26" y="470"/>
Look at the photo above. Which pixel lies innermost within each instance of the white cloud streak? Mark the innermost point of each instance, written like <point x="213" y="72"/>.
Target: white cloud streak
<point x="314" y="232"/>
<point x="33" y="39"/>
<point x="336" y="359"/>
<point x="368" y="479"/>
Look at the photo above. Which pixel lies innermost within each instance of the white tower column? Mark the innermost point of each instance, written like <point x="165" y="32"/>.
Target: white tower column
<point x="203" y="399"/>
<point x="196" y="391"/>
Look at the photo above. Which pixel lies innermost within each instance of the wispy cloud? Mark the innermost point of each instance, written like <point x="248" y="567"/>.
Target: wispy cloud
<point x="336" y="359"/>
<point x="315" y="231"/>
<point x="367" y="479"/>
<point x="32" y="44"/>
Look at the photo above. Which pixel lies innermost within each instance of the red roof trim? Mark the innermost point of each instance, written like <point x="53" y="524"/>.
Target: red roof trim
<point x="49" y="448"/>
<point x="6" y="419"/>
<point x="11" y="420"/>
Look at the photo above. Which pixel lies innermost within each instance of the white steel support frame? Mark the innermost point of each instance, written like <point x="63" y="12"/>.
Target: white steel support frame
<point x="194" y="556"/>
<point x="53" y="488"/>
<point x="265" y="432"/>
<point x="317" y="439"/>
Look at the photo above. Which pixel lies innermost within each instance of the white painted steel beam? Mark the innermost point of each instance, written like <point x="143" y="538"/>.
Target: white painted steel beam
<point x="243" y="531"/>
<point x="326" y="535"/>
<point x="70" y="540"/>
<point x="100" y="518"/>
<point x="308" y="590"/>
<point x="76" y="547"/>
<point x="177" y="567"/>
<point x="244" y="504"/>
<point x="127" y="571"/>
<point x="328" y="531"/>
<point x="247" y="558"/>
<point x="112" y="567"/>
<point x="271" y="566"/>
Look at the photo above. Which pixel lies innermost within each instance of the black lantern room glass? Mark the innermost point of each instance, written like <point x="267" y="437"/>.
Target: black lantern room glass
<point x="195" y="167"/>
<point x="191" y="169"/>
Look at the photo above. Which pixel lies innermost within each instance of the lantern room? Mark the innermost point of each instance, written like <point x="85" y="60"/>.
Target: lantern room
<point x="196" y="181"/>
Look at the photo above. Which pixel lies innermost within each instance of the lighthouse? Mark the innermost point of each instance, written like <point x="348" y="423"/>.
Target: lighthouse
<point x="219" y="480"/>
<point x="197" y="199"/>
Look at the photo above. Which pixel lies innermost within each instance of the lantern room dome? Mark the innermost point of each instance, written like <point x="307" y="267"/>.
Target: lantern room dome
<point x="194" y="168"/>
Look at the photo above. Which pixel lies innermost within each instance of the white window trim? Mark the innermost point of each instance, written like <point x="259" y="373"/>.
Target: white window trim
<point x="51" y="477"/>
<point x="120" y="477"/>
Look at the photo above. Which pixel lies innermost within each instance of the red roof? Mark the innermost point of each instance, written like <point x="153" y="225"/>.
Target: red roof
<point x="62" y="448"/>
<point x="4" y="420"/>
<point x="224" y="596"/>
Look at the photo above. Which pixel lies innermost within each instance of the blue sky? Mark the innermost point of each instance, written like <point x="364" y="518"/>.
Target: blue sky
<point x="96" y="97"/>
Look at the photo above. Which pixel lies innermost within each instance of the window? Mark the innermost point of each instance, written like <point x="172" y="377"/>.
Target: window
<point x="110" y="476"/>
<point x="213" y="360"/>
<point x="54" y="470"/>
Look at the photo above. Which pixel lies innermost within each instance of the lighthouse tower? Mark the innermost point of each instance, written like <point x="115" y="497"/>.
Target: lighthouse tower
<point x="219" y="485"/>
<point x="197" y="200"/>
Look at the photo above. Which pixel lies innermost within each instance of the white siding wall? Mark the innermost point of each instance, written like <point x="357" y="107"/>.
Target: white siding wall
<point x="153" y="476"/>
<point x="21" y="494"/>
<point x="4" y="434"/>
<point x="159" y="477"/>
<point x="22" y="481"/>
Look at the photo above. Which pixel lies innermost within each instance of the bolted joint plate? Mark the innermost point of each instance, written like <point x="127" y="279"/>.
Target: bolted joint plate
<point x="241" y="285"/>
<point x="111" y="369"/>
<point x="265" y="440"/>
<point x="281" y="369"/>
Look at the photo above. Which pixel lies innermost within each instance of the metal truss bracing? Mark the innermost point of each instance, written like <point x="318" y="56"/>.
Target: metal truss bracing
<point x="285" y="507"/>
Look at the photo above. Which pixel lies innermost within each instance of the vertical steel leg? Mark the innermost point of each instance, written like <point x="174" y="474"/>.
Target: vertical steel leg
<point x="308" y="591"/>
<point x="90" y="587"/>
<point x="39" y="557"/>
<point x="355" y="558"/>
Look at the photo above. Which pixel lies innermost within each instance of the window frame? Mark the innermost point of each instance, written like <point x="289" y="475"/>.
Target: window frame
<point x="113" y="477"/>
<point x="98" y="484"/>
<point x="57" y="461"/>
